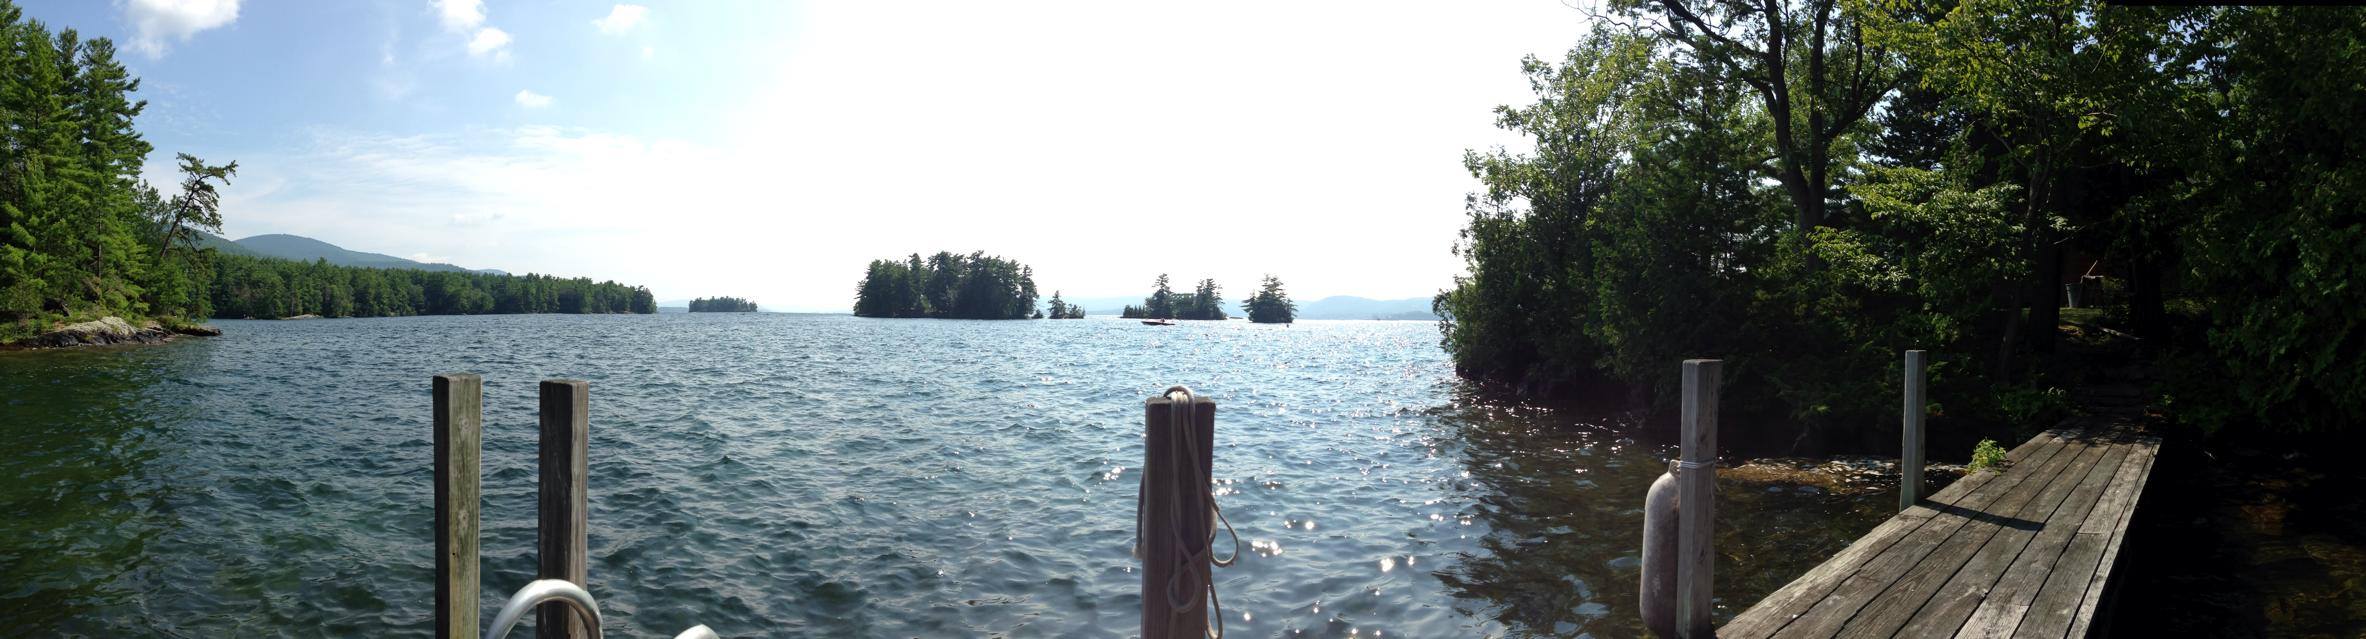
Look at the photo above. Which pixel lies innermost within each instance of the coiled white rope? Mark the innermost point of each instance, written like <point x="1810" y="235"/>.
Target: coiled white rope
<point x="1185" y="455"/>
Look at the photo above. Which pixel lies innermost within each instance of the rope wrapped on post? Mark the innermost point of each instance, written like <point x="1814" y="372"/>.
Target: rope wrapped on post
<point x="1184" y="588"/>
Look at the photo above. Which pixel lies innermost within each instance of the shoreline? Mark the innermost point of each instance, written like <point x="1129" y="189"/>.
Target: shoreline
<point x="109" y="331"/>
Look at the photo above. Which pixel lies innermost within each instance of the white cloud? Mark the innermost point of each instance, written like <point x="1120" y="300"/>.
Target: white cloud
<point x="648" y="52"/>
<point x="489" y="41"/>
<point x="622" y="18"/>
<point x="529" y="99"/>
<point x="459" y="15"/>
<point x="783" y="199"/>
<point x="156" y="23"/>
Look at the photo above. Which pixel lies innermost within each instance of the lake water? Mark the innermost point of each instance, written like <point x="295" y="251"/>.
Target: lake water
<point x="780" y="475"/>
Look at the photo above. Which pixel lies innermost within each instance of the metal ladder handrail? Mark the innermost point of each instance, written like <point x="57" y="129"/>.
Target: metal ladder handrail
<point x="560" y="590"/>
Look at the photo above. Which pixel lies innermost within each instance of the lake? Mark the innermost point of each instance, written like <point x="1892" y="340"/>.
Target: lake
<point x="774" y="474"/>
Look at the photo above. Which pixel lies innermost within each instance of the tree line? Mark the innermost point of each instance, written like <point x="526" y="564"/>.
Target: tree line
<point x="1806" y="188"/>
<point x="947" y="286"/>
<point x="1206" y="302"/>
<point x="266" y="288"/>
<point x="721" y="305"/>
<point x="82" y="236"/>
<point x="1061" y="309"/>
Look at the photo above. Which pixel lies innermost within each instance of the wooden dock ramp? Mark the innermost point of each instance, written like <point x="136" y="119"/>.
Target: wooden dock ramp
<point x="2025" y="552"/>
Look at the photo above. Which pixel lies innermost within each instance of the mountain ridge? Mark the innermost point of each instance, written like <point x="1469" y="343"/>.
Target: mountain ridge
<point x="304" y="249"/>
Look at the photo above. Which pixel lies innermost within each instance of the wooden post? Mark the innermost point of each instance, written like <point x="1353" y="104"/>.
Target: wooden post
<point x="1910" y="451"/>
<point x="561" y="507"/>
<point x="459" y="431"/>
<point x="1696" y="499"/>
<point x="1175" y="522"/>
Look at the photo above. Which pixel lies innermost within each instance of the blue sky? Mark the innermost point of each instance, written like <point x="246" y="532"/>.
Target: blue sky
<point x="769" y="149"/>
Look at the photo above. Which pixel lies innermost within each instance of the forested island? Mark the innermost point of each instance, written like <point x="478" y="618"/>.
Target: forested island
<point x="83" y="237"/>
<point x="1271" y="305"/>
<point x="1061" y="309"/>
<point x="948" y="286"/>
<point x="722" y="305"/>
<point x="1811" y="197"/>
<point x="1205" y="302"/>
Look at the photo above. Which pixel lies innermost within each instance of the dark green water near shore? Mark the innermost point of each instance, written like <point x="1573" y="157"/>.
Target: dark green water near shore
<point x="774" y="475"/>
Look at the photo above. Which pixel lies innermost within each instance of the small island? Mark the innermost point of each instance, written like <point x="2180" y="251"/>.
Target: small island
<point x="1064" y="310"/>
<point x="948" y="286"/>
<point x="1270" y="305"/>
<point x="1205" y="302"/>
<point x="722" y="305"/>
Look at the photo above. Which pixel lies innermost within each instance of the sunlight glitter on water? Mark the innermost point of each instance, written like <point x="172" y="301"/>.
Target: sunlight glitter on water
<point x="823" y="475"/>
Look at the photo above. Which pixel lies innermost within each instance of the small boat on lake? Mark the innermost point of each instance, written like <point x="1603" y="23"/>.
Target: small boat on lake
<point x="1158" y="322"/>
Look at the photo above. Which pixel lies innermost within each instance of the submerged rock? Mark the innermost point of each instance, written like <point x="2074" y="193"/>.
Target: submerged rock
<point x="112" y="330"/>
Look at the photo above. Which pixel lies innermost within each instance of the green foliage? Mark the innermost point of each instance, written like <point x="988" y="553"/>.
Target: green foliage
<point x="266" y="288"/>
<point x="722" y="305"/>
<point x="1892" y="174"/>
<point x="79" y="232"/>
<point x="1061" y="309"/>
<point x="1987" y="455"/>
<point x="2034" y="405"/>
<point x="1270" y="305"/>
<point x="1204" y="302"/>
<point x="947" y="286"/>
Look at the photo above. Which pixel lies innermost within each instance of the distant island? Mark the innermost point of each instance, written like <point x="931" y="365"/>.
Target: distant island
<point x="722" y="305"/>
<point x="1205" y="302"/>
<point x="1064" y="310"/>
<point x="948" y="286"/>
<point x="1270" y="305"/>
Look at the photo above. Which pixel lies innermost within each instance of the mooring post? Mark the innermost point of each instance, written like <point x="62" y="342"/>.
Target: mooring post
<point x="459" y="431"/>
<point x="1175" y="528"/>
<point x="1696" y="499"/>
<point x="561" y="529"/>
<point x="1910" y="451"/>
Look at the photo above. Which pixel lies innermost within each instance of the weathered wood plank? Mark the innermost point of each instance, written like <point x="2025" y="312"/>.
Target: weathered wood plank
<point x="562" y="502"/>
<point x="2126" y="492"/>
<point x="2004" y="575"/>
<point x="1910" y="446"/>
<point x="1827" y="617"/>
<point x="1787" y="603"/>
<point x="2027" y="552"/>
<point x="1177" y="460"/>
<point x="459" y="433"/>
<point x="1696" y="499"/>
<point x="1897" y="604"/>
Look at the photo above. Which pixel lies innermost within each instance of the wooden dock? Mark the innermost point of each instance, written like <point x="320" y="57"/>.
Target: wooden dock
<point x="2025" y="552"/>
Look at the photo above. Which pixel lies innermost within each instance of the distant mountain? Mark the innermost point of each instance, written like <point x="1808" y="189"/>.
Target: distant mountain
<point x="305" y="249"/>
<point x="1352" y="307"/>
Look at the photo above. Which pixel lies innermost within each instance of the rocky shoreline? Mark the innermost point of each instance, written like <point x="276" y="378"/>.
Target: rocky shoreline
<point x="112" y="330"/>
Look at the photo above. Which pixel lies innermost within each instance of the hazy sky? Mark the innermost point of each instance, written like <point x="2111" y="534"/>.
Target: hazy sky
<point x="769" y="150"/>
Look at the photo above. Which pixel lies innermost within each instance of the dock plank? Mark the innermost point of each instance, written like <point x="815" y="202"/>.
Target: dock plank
<point x="2126" y="491"/>
<point x="1986" y="554"/>
<point x="1778" y="609"/>
<point x="2024" y="552"/>
<point x="2005" y="576"/>
<point x="2009" y="491"/>
<point x="1929" y="546"/>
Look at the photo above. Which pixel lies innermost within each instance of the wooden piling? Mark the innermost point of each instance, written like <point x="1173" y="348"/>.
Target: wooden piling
<point x="562" y="503"/>
<point x="1910" y="450"/>
<point x="459" y="432"/>
<point x="1175" y="524"/>
<point x="1696" y="499"/>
